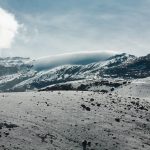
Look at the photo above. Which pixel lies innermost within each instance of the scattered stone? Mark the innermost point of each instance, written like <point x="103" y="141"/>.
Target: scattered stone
<point x="143" y="108"/>
<point x="117" y="119"/>
<point x="84" y="144"/>
<point x="92" y="99"/>
<point x="98" y="104"/>
<point x="88" y="108"/>
<point x="82" y="105"/>
<point x="9" y="126"/>
<point x="89" y="144"/>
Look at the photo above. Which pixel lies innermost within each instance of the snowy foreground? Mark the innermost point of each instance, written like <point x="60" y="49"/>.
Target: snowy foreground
<point x="65" y="120"/>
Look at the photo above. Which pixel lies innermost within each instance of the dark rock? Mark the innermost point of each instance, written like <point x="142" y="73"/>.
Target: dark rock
<point x="117" y="119"/>
<point x="88" y="108"/>
<point x="92" y="99"/>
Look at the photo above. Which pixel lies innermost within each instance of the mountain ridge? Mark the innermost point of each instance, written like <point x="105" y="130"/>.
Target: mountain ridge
<point x="27" y="77"/>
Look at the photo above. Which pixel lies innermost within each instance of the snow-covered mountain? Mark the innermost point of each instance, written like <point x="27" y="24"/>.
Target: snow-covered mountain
<point x="50" y="71"/>
<point x="12" y="65"/>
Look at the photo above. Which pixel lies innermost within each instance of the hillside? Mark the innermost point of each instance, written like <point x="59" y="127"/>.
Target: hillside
<point x="43" y="73"/>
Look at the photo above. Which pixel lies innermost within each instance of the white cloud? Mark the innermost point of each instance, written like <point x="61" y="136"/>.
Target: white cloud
<point x="8" y="28"/>
<point x="76" y="58"/>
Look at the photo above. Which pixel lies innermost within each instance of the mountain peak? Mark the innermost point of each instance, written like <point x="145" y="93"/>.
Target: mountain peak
<point x="123" y="55"/>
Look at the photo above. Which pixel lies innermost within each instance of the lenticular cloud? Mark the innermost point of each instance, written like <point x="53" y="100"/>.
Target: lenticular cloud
<point x="8" y="28"/>
<point x="78" y="58"/>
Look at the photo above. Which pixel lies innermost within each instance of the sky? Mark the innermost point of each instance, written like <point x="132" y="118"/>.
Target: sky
<point x="38" y="28"/>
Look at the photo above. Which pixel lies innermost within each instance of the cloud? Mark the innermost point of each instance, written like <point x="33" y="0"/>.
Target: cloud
<point x="53" y="27"/>
<point x="77" y="31"/>
<point x="78" y="58"/>
<point x="8" y="28"/>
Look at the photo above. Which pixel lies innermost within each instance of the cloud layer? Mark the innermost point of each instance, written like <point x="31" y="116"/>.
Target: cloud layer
<point x="78" y="58"/>
<point x="8" y="28"/>
<point x="55" y="27"/>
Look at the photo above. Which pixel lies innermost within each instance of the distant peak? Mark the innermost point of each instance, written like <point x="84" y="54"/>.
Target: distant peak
<point x="123" y="55"/>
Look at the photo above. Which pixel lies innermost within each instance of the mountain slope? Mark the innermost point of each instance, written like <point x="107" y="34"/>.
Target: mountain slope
<point x="138" y="68"/>
<point x="67" y="73"/>
<point x="40" y="74"/>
